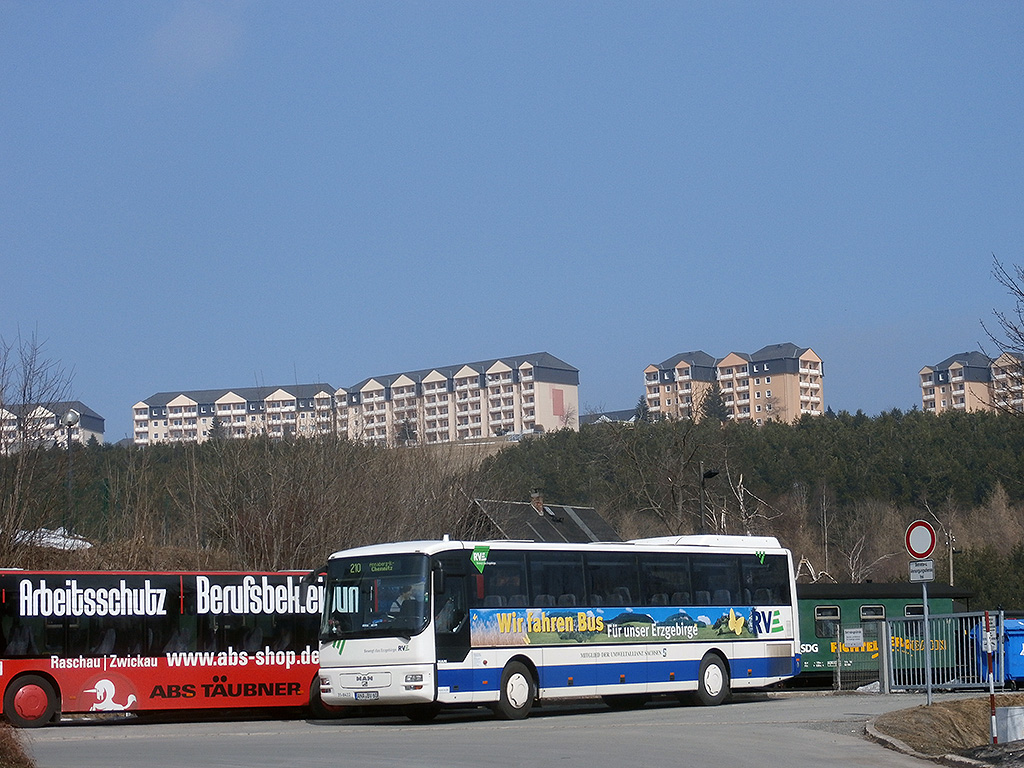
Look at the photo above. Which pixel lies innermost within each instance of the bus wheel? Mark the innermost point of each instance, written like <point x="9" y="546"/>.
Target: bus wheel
<point x="713" y="681"/>
<point x="30" y="702"/>
<point x="421" y="713"/>
<point x="317" y="708"/>
<point x="518" y="691"/>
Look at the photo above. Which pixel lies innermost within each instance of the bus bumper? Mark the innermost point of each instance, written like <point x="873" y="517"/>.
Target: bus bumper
<point x="403" y="684"/>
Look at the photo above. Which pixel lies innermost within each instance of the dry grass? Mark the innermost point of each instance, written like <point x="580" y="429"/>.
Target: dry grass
<point x="946" y="727"/>
<point x="12" y="751"/>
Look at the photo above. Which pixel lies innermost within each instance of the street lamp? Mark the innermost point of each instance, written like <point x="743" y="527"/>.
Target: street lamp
<point x="704" y="477"/>
<point x="70" y="420"/>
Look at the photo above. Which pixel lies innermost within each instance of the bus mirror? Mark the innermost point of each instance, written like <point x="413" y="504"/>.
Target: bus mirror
<point x="438" y="579"/>
<point x="316" y="576"/>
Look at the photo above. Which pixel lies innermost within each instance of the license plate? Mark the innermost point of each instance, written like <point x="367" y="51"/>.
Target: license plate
<point x="366" y="695"/>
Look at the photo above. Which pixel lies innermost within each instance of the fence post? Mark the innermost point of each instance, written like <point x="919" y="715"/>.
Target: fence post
<point x="884" y="649"/>
<point x="839" y="656"/>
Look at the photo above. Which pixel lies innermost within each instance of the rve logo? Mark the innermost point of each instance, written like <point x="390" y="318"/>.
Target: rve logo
<point x="765" y="622"/>
<point x="479" y="557"/>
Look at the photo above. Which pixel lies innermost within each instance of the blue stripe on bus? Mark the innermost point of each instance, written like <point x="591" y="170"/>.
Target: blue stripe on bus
<point x="616" y="673"/>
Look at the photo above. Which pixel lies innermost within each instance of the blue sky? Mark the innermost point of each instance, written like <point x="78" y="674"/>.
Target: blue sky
<point x="198" y="195"/>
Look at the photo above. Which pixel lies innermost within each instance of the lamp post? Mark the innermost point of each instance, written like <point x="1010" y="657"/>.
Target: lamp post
<point x="950" y="540"/>
<point x="70" y="420"/>
<point x="705" y="475"/>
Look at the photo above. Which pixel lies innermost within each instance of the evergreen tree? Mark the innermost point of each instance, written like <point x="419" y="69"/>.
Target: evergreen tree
<point x="713" y="405"/>
<point x="217" y="429"/>
<point x="643" y="410"/>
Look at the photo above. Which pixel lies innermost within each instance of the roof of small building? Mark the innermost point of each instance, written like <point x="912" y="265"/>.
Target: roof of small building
<point x="557" y="522"/>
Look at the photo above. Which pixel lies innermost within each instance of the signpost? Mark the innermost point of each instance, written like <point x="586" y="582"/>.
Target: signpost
<point x="920" y="540"/>
<point x="922" y="571"/>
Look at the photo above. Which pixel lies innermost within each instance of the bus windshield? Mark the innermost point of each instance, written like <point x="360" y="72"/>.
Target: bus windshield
<point x="382" y="596"/>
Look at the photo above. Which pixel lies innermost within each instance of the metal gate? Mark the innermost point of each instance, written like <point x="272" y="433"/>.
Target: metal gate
<point x="958" y="658"/>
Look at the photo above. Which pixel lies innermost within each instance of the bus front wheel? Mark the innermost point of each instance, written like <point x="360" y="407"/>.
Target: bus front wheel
<point x="712" y="681"/>
<point x="518" y="691"/>
<point x="30" y="702"/>
<point x="317" y="708"/>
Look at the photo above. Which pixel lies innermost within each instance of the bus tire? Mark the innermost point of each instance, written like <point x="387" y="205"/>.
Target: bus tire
<point x="518" y="690"/>
<point x="712" y="681"/>
<point x="317" y="708"/>
<point x="31" y="702"/>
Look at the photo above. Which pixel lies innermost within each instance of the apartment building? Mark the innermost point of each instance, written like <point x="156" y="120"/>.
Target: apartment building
<point x="192" y="416"/>
<point x="48" y="425"/>
<point x="779" y="382"/>
<point x="490" y="398"/>
<point x="971" y="381"/>
<point x="512" y="395"/>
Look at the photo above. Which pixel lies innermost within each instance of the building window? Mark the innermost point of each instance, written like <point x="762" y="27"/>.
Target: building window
<point x="872" y="612"/>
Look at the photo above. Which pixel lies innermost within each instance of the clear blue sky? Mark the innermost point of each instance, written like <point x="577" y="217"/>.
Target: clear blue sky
<point x="198" y="195"/>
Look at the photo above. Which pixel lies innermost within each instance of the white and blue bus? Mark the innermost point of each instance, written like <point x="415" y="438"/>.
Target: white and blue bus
<point x="507" y="623"/>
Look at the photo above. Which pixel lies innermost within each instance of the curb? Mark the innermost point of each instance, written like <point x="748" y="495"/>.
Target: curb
<point x="900" y="746"/>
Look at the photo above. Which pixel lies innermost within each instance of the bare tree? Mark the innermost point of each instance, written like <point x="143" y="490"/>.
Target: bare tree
<point x="1008" y="338"/>
<point x="859" y="544"/>
<point x="30" y="384"/>
<point x="751" y="510"/>
<point x="660" y="472"/>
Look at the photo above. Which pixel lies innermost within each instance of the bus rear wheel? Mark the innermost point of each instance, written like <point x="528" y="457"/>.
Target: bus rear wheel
<point x="518" y="690"/>
<point x="30" y="702"/>
<point x="712" y="681"/>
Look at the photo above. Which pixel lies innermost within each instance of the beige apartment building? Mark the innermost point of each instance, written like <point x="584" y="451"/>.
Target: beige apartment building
<point x="505" y="396"/>
<point x="780" y="382"/>
<point x="971" y="381"/>
<point x="49" y="424"/>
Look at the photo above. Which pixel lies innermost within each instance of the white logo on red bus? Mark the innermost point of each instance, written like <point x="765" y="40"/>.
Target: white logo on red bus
<point x="108" y="698"/>
<point x="252" y="596"/>
<point x="73" y="600"/>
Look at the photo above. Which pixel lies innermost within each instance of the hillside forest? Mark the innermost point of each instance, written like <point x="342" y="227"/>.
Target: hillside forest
<point x="838" y="490"/>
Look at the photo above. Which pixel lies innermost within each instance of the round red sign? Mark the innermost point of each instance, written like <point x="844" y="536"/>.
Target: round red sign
<point x="920" y="539"/>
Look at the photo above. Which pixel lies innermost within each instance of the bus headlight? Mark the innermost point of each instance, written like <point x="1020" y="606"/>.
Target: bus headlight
<point x="414" y="681"/>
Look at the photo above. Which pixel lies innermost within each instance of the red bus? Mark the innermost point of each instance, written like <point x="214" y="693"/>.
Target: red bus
<point x="77" y="642"/>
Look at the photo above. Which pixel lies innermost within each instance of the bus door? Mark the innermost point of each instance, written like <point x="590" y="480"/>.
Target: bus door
<point x="451" y="615"/>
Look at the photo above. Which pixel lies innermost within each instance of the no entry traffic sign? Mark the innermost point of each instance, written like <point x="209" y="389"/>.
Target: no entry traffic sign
<point x="920" y="539"/>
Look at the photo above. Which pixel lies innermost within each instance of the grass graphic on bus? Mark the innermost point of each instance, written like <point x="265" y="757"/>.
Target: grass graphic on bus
<point x="559" y="626"/>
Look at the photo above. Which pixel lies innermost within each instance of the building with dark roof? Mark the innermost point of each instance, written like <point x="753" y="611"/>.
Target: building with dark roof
<point x="49" y="424"/>
<point x="487" y="399"/>
<point x="538" y="521"/>
<point x="779" y="382"/>
<point x="972" y="381"/>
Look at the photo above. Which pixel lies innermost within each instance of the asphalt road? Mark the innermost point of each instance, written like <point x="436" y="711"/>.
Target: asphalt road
<point x="759" y="731"/>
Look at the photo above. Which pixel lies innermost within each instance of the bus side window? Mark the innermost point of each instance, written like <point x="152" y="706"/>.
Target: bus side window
<point x="613" y="578"/>
<point x="718" y="576"/>
<point x="558" y="575"/>
<point x="664" y="578"/>
<point x="503" y="576"/>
